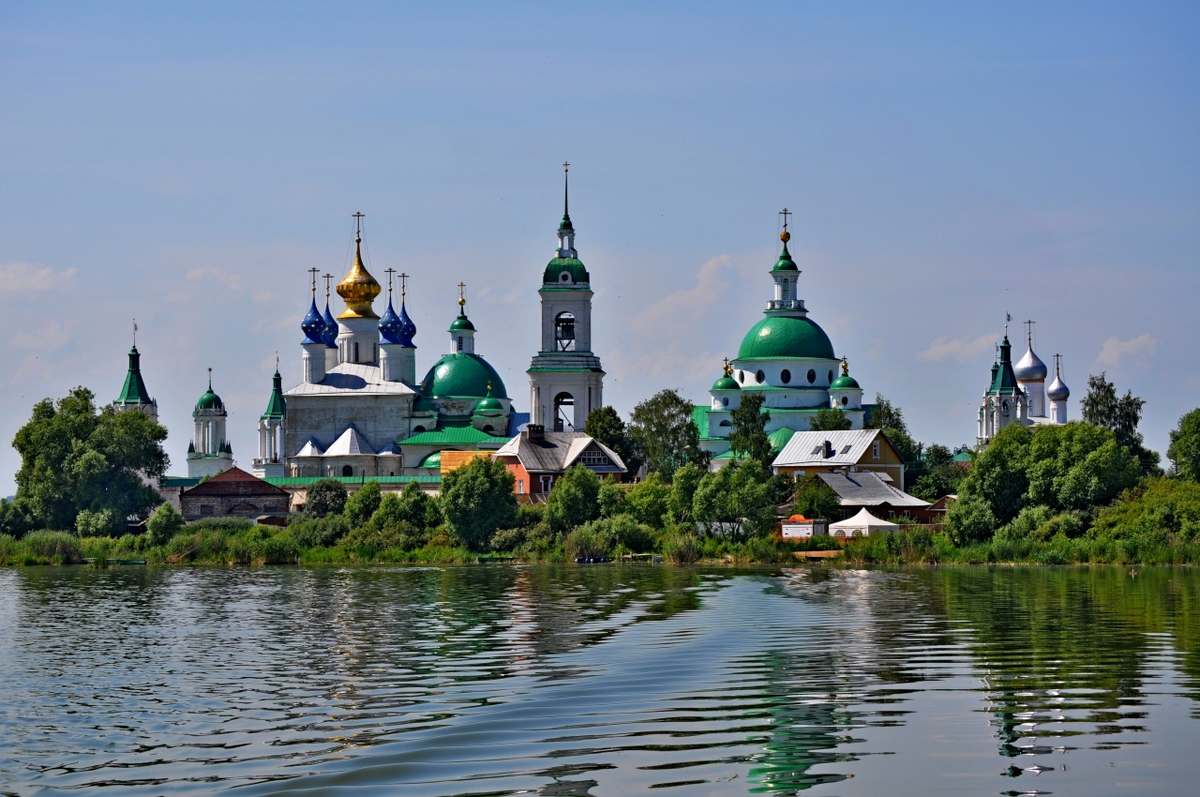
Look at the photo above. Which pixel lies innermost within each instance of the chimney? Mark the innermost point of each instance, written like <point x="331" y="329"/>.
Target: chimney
<point x="828" y="449"/>
<point x="535" y="433"/>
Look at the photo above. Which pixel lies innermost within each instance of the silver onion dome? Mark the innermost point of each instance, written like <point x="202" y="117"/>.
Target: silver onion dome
<point x="1058" y="390"/>
<point x="1031" y="368"/>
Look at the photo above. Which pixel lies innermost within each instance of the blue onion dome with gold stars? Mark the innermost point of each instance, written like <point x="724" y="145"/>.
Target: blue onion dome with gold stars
<point x="408" y="330"/>
<point x="313" y="324"/>
<point x="329" y="336"/>
<point x="391" y="327"/>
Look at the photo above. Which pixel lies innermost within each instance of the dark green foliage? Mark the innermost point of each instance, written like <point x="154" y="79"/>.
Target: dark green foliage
<point x="735" y="500"/>
<point x="369" y="540"/>
<point x="782" y="488"/>
<point x="75" y="458"/>
<point x="940" y="475"/>
<point x="57" y="546"/>
<point x="361" y="505"/>
<point x="889" y="419"/>
<point x="630" y="534"/>
<point x="530" y="515"/>
<point x="574" y="499"/>
<point x="612" y="499"/>
<point x="606" y="426"/>
<point x="999" y="474"/>
<point x="164" y="524"/>
<point x="683" y="492"/>
<point x="325" y="497"/>
<point x="1102" y="407"/>
<point x="1077" y="467"/>
<point x="663" y="434"/>
<point x="1184" y="452"/>
<point x="970" y="520"/>
<point x="228" y="525"/>
<point x="477" y="499"/>
<point x="412" y="506"/>
<point x="829" y="419"/>
<point x="647" y="501"/>
<point x="318" y="531"/>
<point x="14" y="519"/>
<point x="816" y="499"/>
<point x="887" y="416"/>
<point x="748" y="429"/>
<point x="590" y="540"/>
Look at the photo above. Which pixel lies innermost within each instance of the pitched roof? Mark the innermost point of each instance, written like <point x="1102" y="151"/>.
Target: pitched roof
<point x="350" y="443"/>
<point x="557" y="451"/>
<point x="234" y="481"/>
<point x="808" y="448"/>
<point x="352" y="379"/>
<point x="867" y="489"/>
<point x="452" y="436"/>
<point x="134" y="390"/>
<point x="779" y="438"/>
<point x="310" y="449"/>
<point x="864" y="520"/>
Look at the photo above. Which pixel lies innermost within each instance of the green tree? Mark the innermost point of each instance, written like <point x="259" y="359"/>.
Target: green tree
<point x="76" y="458"/>
<point x="663" y="433"/>
<point x="970" y="520"/>
<point x="646" y="501"/>
<point x="612" y="499"/>
<point x="1077" y="466"/>
<point x="816" y="499"/>
<point x="889" y="419"/>
<point x="1184" y="451"/>
<point x="748" y="429"/>
<point x="325" y="497"/>
<point x="999" y="475"/>
<point x="937" y="455"/>
<point x="886" y="415"/>
<point x="606" y="426"/>
<point x="683" y="492"/>
<point x="574" y="499"/>
<point x="361" y="505"/>
<point x="14" y="519"/>
<point x="164" y="524"/>
<point x="1102" y="407"/>
<point x="477" y="499"/>
<point x="735" y="499"/>
<point x="829" y="419"/>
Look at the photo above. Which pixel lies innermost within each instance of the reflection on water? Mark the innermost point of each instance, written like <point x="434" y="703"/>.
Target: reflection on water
<point x="599" y="680"/>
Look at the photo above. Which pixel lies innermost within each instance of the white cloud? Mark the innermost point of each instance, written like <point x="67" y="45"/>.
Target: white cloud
<point x="17" y="278"/>
<point x="233" y="281"/>
<point x="1137" y="351"/>
<point x="961" y="349"/>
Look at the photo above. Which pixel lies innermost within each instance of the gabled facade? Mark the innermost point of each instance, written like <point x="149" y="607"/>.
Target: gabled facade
<point x="853" y="450"/>
<point x="537" y="458"/>
<point x="234" y="493"/>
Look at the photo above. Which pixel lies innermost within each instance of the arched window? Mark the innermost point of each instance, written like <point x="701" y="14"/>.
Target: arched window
<point x="812" y="376"/>
<point x="346" y="469"/>
<point x="564" y="332"/>
<point x="356" y="351"/>
<point x="723" y="423"/>
<point x="460" y="343"/>
<point x="725" y="402"/>
<point x="760" y="376"/>
<point x="786" y="376"/>
<point x="488" y="429"/>
<point x="742" y="377"/>
<point x="845" y="401"/>
<point x="564" y="412"/>
<point x="831" y="377"/>
<point x="417" y="429"/>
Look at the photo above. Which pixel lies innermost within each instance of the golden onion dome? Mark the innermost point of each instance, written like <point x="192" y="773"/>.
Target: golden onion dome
<point x="358" y="288"/>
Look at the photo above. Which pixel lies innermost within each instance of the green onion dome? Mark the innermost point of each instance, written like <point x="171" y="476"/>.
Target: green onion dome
<point x="461" y="375"/>
<point x="565" y="271"/>
<point x="210" y="400"/>
<point x="489" y="404"/>
<point x="786" y="337"/>
<point x="726" y="383"/>
<point x="461" y="323"/>
<point x="844" y="382"/>
<point x="785" y="262"/>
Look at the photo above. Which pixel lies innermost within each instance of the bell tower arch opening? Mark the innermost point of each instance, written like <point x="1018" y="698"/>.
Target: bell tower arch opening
<point x="564" y="412"/>
<point x="564" y="332"/>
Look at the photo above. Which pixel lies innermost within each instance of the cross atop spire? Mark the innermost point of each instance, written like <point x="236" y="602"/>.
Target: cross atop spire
<point x="314" y="272"/>
<point x="358" y="217"/>
<point x="566" y="169"/>
<point x="210" y="379"/>
<point x="389" y="272"/>
<point x="403" y="285"/>
<point x="135" y="333"/>
<point x="1029" y="332"/>
<point x="462" y="299"/>
<point x="785" y="236"/>
<point x="327" y="279"/>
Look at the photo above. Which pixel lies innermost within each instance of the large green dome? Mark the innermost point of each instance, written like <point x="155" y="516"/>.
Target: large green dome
<point x="462" y="376"/>
<point x="210" y="401"/>
<point x="785" y="336"/>
<point x="570" y="266"/>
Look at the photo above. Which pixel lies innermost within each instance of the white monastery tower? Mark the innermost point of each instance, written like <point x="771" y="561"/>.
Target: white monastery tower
<point x="209" y="453"/>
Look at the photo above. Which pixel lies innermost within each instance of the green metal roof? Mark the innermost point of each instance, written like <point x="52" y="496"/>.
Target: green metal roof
<point x="134" y="391"/>
<point x="434" y="460"/>
<point x="725" y="383"/>
<point x="1004" y="380"/>
<point x="462" y="322"/>
<point x="785" y="337"/>
<point x="844" y="383"/>
<point x="785" y="262"/>
<point x="178" y="481"/>
<point x="276" y="406"/>
<point x="301" y="481"/>
<point x="453" y="436"/>
<point x="779" y="438"/>
<point x="570" y="265"/>
<point x="462" y="375"/>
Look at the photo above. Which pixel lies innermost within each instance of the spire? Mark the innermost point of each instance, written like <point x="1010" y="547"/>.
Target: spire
<point x="566" y="231"/>
<point x="785" y="262"/>
<point x="134" y="391"/>
<point x="276" y="406"/>
<point x="408" y="328"/>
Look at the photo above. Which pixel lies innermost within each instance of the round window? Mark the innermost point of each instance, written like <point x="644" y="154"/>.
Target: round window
<point x="565" y="277"/>
<point x="725" y="401"/>
<point x="786" y="376"/>
<point x="831" y="376"/>
<point x="812" y="376"/>
<point x="760" y="376"/>
<point x="845" y="401"/>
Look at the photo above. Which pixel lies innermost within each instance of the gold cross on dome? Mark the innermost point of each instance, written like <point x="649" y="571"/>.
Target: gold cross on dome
<point x="785" y="213"/>
<point x="389" y="272"/>
<point x="314" y="272"/>
<point x="462" y="299"/>
<point x="403" y="284"/>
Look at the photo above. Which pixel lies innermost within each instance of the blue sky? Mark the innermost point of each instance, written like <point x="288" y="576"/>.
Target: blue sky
<point x="946" y="163"/>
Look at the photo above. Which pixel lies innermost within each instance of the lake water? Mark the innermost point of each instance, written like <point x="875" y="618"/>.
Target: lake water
<point x="600" y="680"/>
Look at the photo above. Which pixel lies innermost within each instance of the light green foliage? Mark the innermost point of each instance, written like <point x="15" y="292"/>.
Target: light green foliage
<point x="612" y="499"/>
<point x="368" y="539"/>
<point x="1157" y="508"/>
<point x="646" y="501"/>
<point x="98" y="523"/>
<point x="1184" y="452"/>
<point x="574" y="499"/>
<point x="1077" y="466"/>
<point x="748" y="429"/>
<point x="361" y="505"/>
<point x="477" y="499"/>
<point x="1102" y="407"/>
<point x="164" y="524"/>
<point x="816" y="499"/>
<point x="683" y="492"/>
<point x="325" y="497"/>
<point x="736" y="499"/>
<point x="606" y="426"/>
<point x="681" y="547"/>
<point x="58" y="547"/>
<point x="319" y="531"/>
<point x="829" y="419"/>
<point x="663" y="434"/>
<point x="889" y="418"/>
<point x="75" y="458"/>
<point x="412" y="506"/>
<point x="591" y="540"/>
<point x="970" y="519"/>
<point x="999" y="474"/>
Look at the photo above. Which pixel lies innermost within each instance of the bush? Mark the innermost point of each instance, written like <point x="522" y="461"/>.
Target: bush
<point x="229" y="525"/>
<point x="970" y="520"/>
<point x="279" y="550"/>
<point x="630" y="534"/>
<point x="362" y="504"/>
<point x="612" y="498"/>
<point x="589" y="541"/>
<point x="318" y="532"/>
<point x="164" y="524"/>
<point x="681" y="548"/>
<point x="477" y="500"/>
<point x="325" y="497"/>
<point x="530" y="515"/>
<point x="57" y="546"/>
<point x="100" y="523"/>
<point x="647" y="500"/>
<point x="14" y="519"/>
<point x="574" y="500"/>
<point x="369" y="540"/>
<point x="509" y="539"/>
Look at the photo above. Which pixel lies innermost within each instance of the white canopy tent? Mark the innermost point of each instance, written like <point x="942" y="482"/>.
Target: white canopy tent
<point x="863" y="524"/>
